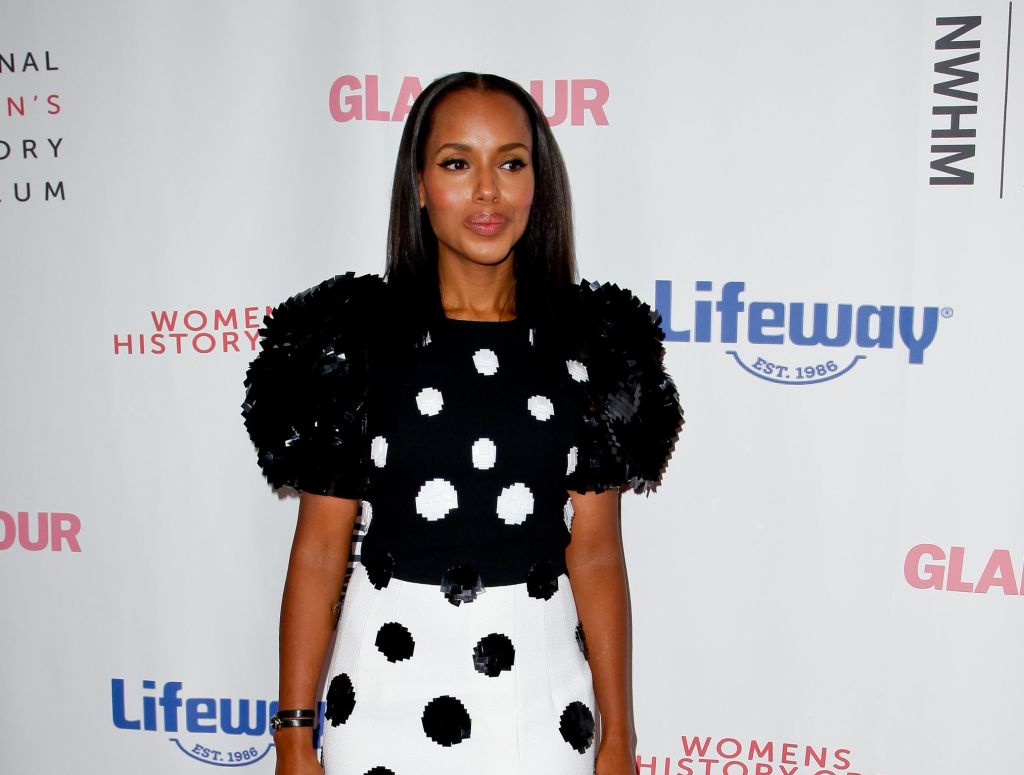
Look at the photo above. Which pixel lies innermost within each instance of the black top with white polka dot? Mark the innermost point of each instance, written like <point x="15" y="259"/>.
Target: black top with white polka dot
<point x="471" y="441"/>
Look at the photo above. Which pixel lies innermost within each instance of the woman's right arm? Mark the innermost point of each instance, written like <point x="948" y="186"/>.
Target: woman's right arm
<point x="316" y="571"/>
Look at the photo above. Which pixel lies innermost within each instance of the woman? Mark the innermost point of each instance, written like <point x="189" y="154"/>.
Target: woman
<point x="485" y="411"/>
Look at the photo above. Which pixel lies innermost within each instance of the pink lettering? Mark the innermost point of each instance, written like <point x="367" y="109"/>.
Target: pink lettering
<point x="373" y="111"/>
<point x="954" y="578"/>
<point x="10" y="531"/>
<point x="788" y="753"/>
<point x="819" y="757"/>
<point x="253" y="337"/>
<point x="410" y="90"/>
<point x="998" y="573"/>
<point x="561" y="109"/>
<point x="157" y="340"/>
<point x="203" y="350"/>
<point x="222" y="320"/>
<point x="42" y="531"/>
<point x="730" y="742"/>
<point x="119" y="343"/>
<point x="696" y="745"/>
<point x="741" y="768"/>
<point x="251" y="321"/>
<point x="231" y="341"/>
<point x="161" y="320"/>
<point x="933" y="574"/>
<point x="581" y="103"/>
<point x="191" y="316"/>
<point x="64" y="529"/>
<point x="759" y="752"/>
<point x="352" y="106"/>
<point x="640" y="764"/>
<point x="842" y="757"/>
<point x="762" y="769"/>
<point x="787" y="770"/>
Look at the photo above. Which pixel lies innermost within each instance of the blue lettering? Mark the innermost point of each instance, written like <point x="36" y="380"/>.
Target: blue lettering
<point x="929" y="324"/>
<point x="244" y="727"/>
<point x="170" y="702"/>
<point x="886" y="324"/>
<point x="149" y="708"/>
<point x="702" y="310"/>
<point x="197" y="709"/>
<point x="117" y="706"/>
<point x="663" y="305"/>
<point x="759" y="322"/>
<point x="819" y="333"/>
<point x="730" y="307"/>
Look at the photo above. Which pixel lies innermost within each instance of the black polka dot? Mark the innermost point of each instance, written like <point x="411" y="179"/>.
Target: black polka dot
<point x="461" y="584"/>
<point x="379" y="568"/>
<point x="395" y="642"/>
<point x="446" y="721"/>
<point x="341" y="699"/>
<point x="380" y="771"/>
<point x="581" y="640"/>
<point x="577" y="726"/>
<point x="494" y="653"/>
<point x="542" y="581"/>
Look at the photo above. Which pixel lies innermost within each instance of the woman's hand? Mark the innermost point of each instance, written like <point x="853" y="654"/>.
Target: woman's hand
<point x="615" y="759"/>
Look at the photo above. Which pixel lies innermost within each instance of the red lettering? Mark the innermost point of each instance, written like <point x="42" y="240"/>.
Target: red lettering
<point x="162" y="320"/>
<point x="42" y="531"/>
<point x="10" y="531"/>
<point x="788" y="753"/>
<point x="222" y="320"/>
<point x="191" y="316"/>
<point x="696" y="746"/>
<point x="64" y="528"/>
<point x="561" y="108"/>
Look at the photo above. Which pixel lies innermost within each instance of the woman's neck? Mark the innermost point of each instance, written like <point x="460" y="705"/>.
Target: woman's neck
<point x="475" y="292"/>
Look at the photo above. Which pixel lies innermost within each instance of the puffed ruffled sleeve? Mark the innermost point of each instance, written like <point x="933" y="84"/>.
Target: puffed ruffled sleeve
<point x="631" y="414"/>
<point x="305" y="393"/>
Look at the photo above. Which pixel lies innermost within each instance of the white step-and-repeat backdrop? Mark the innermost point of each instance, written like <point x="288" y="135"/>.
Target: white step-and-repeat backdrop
<point x="824" y="200"/>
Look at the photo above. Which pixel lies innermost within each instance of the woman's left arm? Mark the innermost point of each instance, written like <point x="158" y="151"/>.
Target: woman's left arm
<point x="597" y="573"/>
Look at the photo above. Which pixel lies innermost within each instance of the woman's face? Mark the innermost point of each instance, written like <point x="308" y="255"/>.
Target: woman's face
<point x="477" y="178"/>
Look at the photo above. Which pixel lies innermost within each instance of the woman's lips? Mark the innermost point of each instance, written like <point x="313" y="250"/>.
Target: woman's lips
<point x="485" y="224"/>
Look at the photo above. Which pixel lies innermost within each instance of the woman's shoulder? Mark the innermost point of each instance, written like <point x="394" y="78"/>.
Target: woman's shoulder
<point x="612" y="319"/>
<point x="339" y="304"/>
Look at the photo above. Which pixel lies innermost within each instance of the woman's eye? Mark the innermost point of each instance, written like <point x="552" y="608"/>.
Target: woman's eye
<point x="454" y="164"/>
<point x="513" y="164"/>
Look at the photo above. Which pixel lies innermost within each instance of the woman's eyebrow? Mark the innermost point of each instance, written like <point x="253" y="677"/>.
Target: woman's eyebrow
<point x="462" y="147"/>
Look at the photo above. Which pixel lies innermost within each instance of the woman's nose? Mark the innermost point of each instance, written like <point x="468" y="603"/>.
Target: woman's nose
<point x="486" y="186"/>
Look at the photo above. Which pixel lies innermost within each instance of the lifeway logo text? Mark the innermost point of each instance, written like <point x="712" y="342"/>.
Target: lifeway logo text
<point x="829" y="331"/>
<point x="222" y="731"/>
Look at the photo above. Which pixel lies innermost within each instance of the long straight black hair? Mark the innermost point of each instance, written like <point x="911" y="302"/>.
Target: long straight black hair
<point x="544" y="258"/>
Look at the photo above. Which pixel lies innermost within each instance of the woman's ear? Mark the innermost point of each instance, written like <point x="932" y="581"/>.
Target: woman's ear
<point x="422" y="190"/>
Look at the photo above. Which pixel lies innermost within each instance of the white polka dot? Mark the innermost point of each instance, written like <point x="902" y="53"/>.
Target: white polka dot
<point x="577" y="371"/>
<point x="379" y="451"/>
<point x="484" y="454"/>
<point x="567" y="514"/>
<point x="429" y="401"/>
<point x="573" y="459"/>
<point x="426" y="339"/>
<point x="366" y="516"/>
<point x="540" y="407"/>
<point x="436" y="498"/>
<point x="486" y="362"/>
<point x="515" y="503"/>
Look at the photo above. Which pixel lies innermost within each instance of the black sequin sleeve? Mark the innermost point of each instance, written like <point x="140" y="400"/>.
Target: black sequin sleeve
<point x="631" y="414"/>
<point x="306" y="390"/>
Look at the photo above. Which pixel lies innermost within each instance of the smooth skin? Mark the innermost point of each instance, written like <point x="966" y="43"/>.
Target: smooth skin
<point x="477" y="187"/>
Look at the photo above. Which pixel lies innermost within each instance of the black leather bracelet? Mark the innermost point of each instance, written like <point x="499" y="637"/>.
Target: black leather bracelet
<point x="292" y="718"/>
